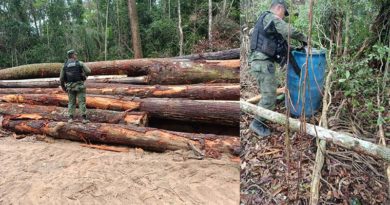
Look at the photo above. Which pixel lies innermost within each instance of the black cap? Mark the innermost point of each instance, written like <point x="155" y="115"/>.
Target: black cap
<point x="282" y="2"/>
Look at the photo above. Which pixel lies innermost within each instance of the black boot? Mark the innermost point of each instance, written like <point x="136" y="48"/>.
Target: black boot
<point x="85" y="120"/>
<point x="259" y="128"/>
<point x="70" y="119"/>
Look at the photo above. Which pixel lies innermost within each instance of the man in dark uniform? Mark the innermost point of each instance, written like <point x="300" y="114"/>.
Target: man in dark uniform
<point x="269" y="45"/>
<point x="72" y="78"/>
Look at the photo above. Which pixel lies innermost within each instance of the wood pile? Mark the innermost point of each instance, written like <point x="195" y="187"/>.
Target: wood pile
<point x="123" y="95"/>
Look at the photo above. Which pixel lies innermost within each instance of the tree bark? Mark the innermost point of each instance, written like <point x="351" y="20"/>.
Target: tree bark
<point x="194" y="92"/>
<point x="218" y="55"/>
<point x="227" y="71"/>
<point x="208" y="111"/>
<point x="340" y="139"/>
<point x="181" y="38"/>
<point x="140" y="80"/>
<point x="210" y="23"/>
<point x="55" y="83"/>
<point x="135" y="36"/>
<point x="106" y="31"/>
<point x="50" y="83"/>
<point x="38" y="112"/>
<point x="159" y="71"/>
<point x="41" y="70"/>
<point x="147" y="138"/>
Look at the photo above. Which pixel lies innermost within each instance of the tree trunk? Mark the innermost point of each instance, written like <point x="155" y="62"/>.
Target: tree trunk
<point x="54" y="82"/>
<point x="194" y="92"/>
<point x="147" y="138"/>
<point x="135" y="36"/>
<point x="169" y="9"/>
<point x="208" y="111"/>
<point x="38" y="112"/>
<point x="106" y="31"/>
<point x="224" y="8"/>
<point x="346" y="39"/>
<point x="159" y="71"/>
<point x="340" y="139"/>
<point x="180" y="30"/>
<point x="210" y="22"/>
<point x="219" y="55"/>
<point x="227" y="71"/>
<point x="140" y="80"/>
<point x="41" y="70"/>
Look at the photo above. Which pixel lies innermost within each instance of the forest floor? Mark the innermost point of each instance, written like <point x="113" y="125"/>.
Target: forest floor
<point x="347" y="177"/>
<point x="43" y="170"/>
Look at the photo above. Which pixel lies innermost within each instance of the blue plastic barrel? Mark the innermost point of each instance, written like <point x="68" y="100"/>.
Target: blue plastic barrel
<point x="314" y="83"/>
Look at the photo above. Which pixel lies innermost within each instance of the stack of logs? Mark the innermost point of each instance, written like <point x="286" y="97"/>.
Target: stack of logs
<point x="123" y="95"/>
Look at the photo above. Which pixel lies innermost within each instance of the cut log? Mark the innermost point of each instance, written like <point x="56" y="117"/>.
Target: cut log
<point x="340" y="139"/>
<point x="140" y="80"/>
<point x="218" y="55"/>
<point x="54" y="82"/>
<point x="147" y="138"/>
<point x="159" y="71"/>
<point x="41" y="70"/>
<point x="177" y="73"/>
<point x="209" y="111"/>
<point x="257" y="98"/>
<point x="37" y="112"/>
<point x="195" y="92"/>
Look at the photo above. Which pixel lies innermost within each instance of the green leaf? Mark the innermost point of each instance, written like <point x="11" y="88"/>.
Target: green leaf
<point x="342" y="80"/>
<point x="347" y="74"/>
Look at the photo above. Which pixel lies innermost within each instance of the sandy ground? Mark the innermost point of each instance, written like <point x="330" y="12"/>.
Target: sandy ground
<point x="63" y="172"/>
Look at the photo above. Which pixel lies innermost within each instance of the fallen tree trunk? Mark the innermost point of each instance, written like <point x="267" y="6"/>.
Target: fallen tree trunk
<point x="256" y="99"/>
<point x="159" y="71"/>
<point x="209" y="111"/>
<point x="148" y="138"/>
<point x="37" y="112"/>
<point x="340" y="139"/>
<point x="140" y="80"/>
<point x="218" y="55"/>
<point x="55" y="82"/>
<point x="41" y="70"/>
<point x="195" y="92"/>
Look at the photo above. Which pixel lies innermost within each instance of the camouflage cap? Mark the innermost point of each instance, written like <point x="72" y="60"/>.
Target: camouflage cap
<point x="282" y="2"/>
<point x="70" y="52"/>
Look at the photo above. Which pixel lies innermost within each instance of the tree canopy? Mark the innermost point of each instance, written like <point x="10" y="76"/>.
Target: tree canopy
<point x="37" y="31"/>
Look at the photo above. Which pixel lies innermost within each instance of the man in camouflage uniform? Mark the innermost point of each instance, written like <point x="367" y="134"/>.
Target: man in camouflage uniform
<point x="72" y="78"/>
<point x="269" y="45"/>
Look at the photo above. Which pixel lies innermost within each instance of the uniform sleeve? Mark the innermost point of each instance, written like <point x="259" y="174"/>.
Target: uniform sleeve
<point x="86" y="70"/>
<point x="282" y="27"/>
<point x="62" y="75"/>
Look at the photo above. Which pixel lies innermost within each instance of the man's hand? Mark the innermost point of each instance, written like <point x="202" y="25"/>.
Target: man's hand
<point x="63" y="87"/>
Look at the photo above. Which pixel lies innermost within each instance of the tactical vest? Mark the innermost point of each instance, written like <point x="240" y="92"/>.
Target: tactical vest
<point x="268" y="41"/>
<point x="73" y="71"/>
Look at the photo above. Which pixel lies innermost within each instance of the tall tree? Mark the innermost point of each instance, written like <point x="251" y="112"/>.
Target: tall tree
<point x="210" y="21"/>
<point x="180" y="28"/>
<point x="106" y="32"/>
<point x="135" y="36"/>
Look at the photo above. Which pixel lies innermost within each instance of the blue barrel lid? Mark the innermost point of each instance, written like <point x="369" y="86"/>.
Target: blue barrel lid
<point x="314" y="51"/>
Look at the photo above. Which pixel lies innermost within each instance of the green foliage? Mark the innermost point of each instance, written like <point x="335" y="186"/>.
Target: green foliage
<point x="35" y="31"/>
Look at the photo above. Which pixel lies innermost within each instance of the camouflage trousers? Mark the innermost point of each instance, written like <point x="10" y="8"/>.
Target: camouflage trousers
<point x="264" y="73"/>
<point x="76" y="91"/>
